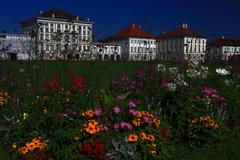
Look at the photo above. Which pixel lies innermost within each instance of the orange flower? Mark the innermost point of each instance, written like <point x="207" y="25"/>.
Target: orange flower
<point x="157" y="122"/>
<point x="151" y="138"/>
<point x="152" y="152"/>
<point x="143" y="136"/>
<point x="137" y="122"/>
<point x="89" y="113"/>
<point x="132" y="138"/>
<point x="92" y="122"/>
<point x="23" y="150"/>
<point x="91" y="130"/>
<point x="30" y="146"/>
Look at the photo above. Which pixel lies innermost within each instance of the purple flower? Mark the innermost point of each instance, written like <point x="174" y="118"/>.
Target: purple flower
<point x="132" y="104"/>
<point x="98" y="111"/>
<point x="116" y="110"/>
<point x="147" y="119"/>
<point x="103" y="127"/>
<point x="125" y="125"/>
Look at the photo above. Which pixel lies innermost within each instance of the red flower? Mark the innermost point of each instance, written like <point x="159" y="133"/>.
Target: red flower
<point x="52" y="85"/>
<point x="164" y="132"/>
<point x="86" y="147"/>
<point x="78" y="83"/>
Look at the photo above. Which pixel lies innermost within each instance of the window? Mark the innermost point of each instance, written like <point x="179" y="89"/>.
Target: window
<point x="58" y="26"/>
<point x="46" y="30"/>
<point x="66" y="27"/>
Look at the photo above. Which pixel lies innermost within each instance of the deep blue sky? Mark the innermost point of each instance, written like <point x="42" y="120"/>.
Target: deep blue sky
<point x="212" y="18"/>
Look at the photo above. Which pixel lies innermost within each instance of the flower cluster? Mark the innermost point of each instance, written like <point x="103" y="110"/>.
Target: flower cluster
<point x="214" y="95"/>
<point x="94" y="148"/>
<point x="144" y="117"/>
<point x="205" y="121"/>
<point x="52" y="85"/>
<point x="222" y="72"/>
<point x="3" y="98"/>
<point x="92" y="127"/>
<point x="144" y="137"/>
<point x="168" y="86"/>
<point x="36" y="143"/>
<point x="122" y="126"/>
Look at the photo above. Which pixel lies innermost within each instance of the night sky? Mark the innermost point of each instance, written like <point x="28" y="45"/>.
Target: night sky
<point x="211" y="18"/>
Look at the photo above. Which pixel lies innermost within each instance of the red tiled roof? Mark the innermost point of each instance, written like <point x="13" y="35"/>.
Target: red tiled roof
<point x="132" y="31"/>
<point x="180" y="33"/>
<point x="58" y="13"/>
<point x="225" y="42"/>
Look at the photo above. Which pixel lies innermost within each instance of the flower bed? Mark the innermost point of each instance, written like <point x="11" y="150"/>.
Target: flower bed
<point x="141" y="116"/>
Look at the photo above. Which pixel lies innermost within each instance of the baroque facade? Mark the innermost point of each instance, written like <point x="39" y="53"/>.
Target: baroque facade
<point x="107" y="51"/>
<point x="136" y="44"/>
<point x="59" y="34"/>
<point x="181" y="43"/>
<point x="223" y="49"/>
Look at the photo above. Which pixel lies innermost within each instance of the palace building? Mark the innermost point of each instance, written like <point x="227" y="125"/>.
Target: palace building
<point x="181" y="43"/>
<point x="136" y="44"/>
<point x="59" y="34"/>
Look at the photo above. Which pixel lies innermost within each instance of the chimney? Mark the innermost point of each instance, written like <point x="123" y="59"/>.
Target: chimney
<point x="77" y="18"/>
<point x="184" y="25"/>
<point x="88" y="19"/>
<point x="53" y="15"/>
<point x="223" y="37"/>
<point x="41" y="12"/>
<point x="133" y="25"/>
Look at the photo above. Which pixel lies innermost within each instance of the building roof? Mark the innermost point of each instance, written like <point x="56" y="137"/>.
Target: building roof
<point x="180" y="32"/>
<point x="225" y="42"/>
<point x="58" y="13"/>
<point x="53" y="13"/>
<point x="132" y="31"/>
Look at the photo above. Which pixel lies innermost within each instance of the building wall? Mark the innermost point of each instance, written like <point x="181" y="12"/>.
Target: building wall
<point x="107" y="51"/>
<point x="222" y="52"/>
<point x="61" y="38"/>
<point x="141" y="49"/>
<point x="178" y="48"/>
<point x="20" y="45"/>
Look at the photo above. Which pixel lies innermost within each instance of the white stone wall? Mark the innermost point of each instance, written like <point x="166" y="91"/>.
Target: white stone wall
<point x="20" y="45"/>
<point x="222" y="52"/>
<point x="178" y="48"/>
<point x="107" y="51"/>
<point x="63" y="37"/>
<point x="141" y="49"/>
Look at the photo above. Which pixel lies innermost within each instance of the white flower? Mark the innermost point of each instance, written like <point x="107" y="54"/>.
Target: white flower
<point x="173" y="70"/>
<point x="161" y="68"/>
<point x="222" y="71"/>
<point x="172" y="87"/>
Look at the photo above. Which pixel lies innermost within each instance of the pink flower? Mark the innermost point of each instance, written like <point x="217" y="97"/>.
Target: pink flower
<point x="134" y="112"/>
<point x="132" y="104"/>
<point x="119" y="98"/>
<point x="98" y="111"/>
<point x="116" y="110"/>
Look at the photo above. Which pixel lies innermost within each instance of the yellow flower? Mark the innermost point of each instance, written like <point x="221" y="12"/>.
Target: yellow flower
<point x="14" y="145"/>
<point x="132" y="138"/>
